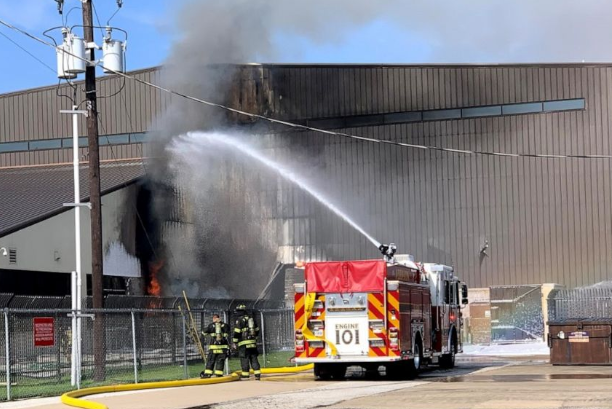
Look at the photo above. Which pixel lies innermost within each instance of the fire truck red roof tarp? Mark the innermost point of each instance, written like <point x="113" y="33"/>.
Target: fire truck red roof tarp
<point x="346" y="276"/>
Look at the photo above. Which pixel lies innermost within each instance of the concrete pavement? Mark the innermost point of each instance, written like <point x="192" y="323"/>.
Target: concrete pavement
<point x="178" y="398"/>
<point x="534" y="386"/>
<point x="477" y="383"/>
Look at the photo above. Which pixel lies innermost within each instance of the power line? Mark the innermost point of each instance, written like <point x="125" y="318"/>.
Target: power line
<point x="119" y="5"/>
<point x="97" y="19"/>
<point x="323" y="131"/>
<point x="27" y="52"/>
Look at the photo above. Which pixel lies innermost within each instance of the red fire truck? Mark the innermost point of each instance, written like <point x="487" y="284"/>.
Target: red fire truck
<point x="393" y="313"/>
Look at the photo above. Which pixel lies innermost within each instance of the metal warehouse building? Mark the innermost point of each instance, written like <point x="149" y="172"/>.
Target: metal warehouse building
<point x="499" y="221"/>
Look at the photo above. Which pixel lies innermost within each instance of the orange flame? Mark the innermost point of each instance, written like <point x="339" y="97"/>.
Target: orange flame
<point x="154" y="288"/>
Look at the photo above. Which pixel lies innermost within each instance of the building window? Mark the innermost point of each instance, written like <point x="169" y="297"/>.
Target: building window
<point x="566" y="105"/>
<point x="114" y="139"/>
<point x="13" y="147"/>
<point x="403" y="117"/>
<point x="325" y="123"/>
<point x="46" y="144"/>
<point x="476" y="112"/>
<point x="364" y="120"/>
<point x="441" y="114"/>
<point x="138" y="137"/>
<point x="526" y="108"/>
<point x="67" y="143"/>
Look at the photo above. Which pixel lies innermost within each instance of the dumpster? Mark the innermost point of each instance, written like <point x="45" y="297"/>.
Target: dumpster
<point x="580" y="342"/>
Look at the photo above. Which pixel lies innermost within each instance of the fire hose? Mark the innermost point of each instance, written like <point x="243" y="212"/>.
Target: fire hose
<point x="308" y="307"/>
<point x="73" y="398"/>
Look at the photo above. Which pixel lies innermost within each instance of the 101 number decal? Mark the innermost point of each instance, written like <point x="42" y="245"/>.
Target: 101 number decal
<point x="347" y="336"/>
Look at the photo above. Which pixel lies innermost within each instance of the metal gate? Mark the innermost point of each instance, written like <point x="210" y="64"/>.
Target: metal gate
<point x="516" y="313"/>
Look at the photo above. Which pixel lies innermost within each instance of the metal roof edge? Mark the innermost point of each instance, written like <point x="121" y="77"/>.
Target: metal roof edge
<point x="62" y="209"/>
<point x="576" y="64"/>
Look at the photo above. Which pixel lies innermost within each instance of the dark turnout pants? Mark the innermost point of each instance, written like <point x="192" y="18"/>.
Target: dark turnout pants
<point x="216" y="362"/>
<point x="248" y="360"/>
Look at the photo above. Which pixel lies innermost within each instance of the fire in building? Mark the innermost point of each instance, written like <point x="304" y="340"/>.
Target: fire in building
<point x="499" y="221"/>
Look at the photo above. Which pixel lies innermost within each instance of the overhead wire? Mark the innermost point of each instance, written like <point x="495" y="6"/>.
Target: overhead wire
<point x="27" y="52"/>
<point x="119" y="5"/>
<point x="324" y="131"/>
<point x="65" y="20"/>
<point x="74" y="91"/>
<point x="93" y="6"/>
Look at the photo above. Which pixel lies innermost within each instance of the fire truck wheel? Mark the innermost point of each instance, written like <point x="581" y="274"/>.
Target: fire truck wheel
<point x="447" y="361"/>
<point x="415" y="363"/>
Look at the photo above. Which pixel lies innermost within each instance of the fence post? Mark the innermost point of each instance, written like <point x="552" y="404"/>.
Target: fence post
<point x="229" y="340"/>
<point x="8" y="355"/>
<point x="185" y="373"/>
<point x="58" y="347"/>
<point x="174" y="340"/>
<point x="263" y="338"/>
<point x="134" y="350"/>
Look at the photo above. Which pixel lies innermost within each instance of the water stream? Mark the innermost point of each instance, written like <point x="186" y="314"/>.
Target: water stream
<point x="202" y="140"/>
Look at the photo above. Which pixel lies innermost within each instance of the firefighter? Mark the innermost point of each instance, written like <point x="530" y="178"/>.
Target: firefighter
<point x="245" y="337"/>
<point x="218" y="347"/>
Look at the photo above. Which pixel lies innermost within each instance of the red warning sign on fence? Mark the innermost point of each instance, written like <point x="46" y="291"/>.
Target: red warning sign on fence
<point x="44" y="332"/>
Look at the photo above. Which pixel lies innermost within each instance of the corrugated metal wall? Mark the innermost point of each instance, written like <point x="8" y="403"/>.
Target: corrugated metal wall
<point x="34" y="115"/>
<point x="545" y="220"/>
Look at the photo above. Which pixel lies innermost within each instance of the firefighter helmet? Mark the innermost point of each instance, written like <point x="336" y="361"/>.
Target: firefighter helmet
<point x="241" y="307"/>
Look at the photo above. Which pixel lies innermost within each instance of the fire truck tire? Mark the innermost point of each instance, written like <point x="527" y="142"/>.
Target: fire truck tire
<point x="414" y="365"/>
<point x="447" y="361"/>
<point x="326" y="372"/>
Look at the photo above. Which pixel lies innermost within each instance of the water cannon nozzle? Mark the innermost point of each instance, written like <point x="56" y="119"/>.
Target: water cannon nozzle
<point x="388" y="251"/>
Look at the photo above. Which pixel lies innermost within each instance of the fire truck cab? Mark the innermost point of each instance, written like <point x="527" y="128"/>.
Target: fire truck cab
<point x="371" y="313"/>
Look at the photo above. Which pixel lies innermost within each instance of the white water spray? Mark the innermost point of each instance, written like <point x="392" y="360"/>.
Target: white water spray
<point x="200" y="140"/>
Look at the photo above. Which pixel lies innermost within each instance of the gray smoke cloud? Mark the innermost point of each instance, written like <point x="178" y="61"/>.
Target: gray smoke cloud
<point x="217" y="242"/>
<point x="510" y="31"/>
<point x="454" y="31"/>
<point x="213" y="35"/>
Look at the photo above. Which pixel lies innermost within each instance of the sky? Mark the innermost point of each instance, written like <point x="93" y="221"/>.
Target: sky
<point x="407" y="31"/>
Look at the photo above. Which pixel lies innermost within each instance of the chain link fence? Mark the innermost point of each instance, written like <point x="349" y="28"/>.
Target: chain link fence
<point x="139" y="345"/>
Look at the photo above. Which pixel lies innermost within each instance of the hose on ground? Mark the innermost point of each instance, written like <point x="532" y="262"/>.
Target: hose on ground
<point x="73" y="398"/>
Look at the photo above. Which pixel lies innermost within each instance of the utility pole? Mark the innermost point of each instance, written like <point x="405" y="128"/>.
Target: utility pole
<point x="94" y="195"/>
